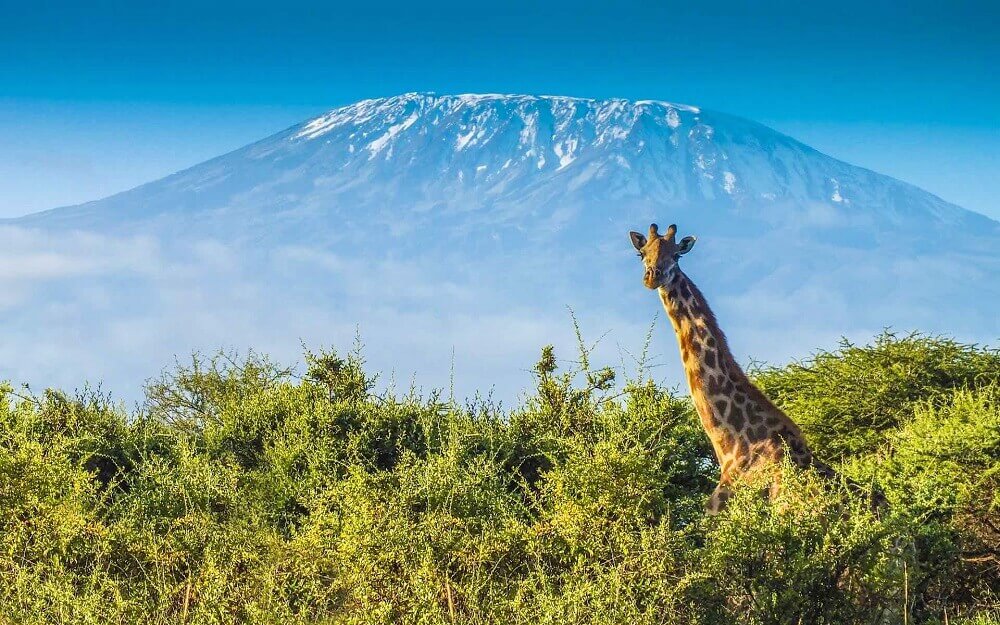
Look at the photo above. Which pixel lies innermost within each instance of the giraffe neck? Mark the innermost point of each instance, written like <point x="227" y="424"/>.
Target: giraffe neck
<point x="712" y="373"/>
<point x="744" y="426"/>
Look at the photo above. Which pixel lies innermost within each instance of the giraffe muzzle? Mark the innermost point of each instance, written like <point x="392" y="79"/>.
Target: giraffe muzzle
<point x="652" y="278"/>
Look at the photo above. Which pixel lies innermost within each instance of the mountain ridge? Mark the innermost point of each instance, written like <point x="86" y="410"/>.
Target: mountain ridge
<point x="393" y="120"/>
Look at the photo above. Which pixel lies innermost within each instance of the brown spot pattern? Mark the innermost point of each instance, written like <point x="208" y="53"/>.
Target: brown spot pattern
<point x="745" y="434"/>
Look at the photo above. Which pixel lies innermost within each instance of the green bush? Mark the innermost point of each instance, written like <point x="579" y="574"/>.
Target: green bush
<point x="242" y="493"/>
<point x="848" y="401"/>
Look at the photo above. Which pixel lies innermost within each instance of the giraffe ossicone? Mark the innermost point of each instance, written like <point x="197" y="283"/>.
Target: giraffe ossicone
<point x="748" y="432"/>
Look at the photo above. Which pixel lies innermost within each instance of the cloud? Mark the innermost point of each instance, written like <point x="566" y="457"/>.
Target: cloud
<point x="77" y="307"/>
<point x="81" y="307"/>
<point x="34" y="255"/>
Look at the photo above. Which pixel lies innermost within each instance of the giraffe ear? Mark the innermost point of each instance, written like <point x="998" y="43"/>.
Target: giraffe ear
<point x="638" y="240"/>
<point x="685" y="245"/>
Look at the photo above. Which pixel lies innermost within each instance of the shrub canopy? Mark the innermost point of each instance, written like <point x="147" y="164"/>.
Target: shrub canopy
<point x="243" y="493"/>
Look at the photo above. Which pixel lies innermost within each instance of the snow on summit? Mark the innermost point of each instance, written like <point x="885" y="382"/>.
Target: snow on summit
<point x="465" y="224"/>
<point x="522" y="156"/>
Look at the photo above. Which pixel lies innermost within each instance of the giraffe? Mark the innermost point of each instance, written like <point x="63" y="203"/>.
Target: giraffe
<point x="748" y="432"/>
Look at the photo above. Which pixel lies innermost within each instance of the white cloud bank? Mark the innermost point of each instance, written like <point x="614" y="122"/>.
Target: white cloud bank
<point x="82" y="307"/>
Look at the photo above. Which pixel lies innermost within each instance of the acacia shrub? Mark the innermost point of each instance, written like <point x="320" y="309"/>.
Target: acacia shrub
<point x="849" y="400"/>
<point x="243" y="493"/>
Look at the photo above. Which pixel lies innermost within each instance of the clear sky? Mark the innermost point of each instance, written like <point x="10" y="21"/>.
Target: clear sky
<point x="101" y="96"/>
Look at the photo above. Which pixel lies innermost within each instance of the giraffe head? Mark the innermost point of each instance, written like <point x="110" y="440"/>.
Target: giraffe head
<point x="660" y="253"/>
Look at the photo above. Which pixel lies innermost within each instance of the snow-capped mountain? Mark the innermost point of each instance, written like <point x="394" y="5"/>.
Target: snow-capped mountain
<point x="505" y="157"/>
<point x="470" y="222"/>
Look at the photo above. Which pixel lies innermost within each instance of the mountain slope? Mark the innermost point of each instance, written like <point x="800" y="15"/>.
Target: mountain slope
<point x="470" y="222"/>
<point x="439" y="154"/>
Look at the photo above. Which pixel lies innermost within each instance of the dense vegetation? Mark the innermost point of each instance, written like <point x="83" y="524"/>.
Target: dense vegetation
<point x="241" y="492"/>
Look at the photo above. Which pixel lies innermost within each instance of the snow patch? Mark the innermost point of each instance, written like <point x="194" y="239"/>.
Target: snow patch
<point x="612" y="133"/>
<point x="673" y="118"/>
<point x="463" y="140"/>
<point x="683" y="107"/>
<point x="729" y="182"/>
<point x="360" y="112"/>
<point x="836" y="196"/>
<point x="377" y="145"/>
<point x="530" y="131"/>
<point x="566" y="151"/>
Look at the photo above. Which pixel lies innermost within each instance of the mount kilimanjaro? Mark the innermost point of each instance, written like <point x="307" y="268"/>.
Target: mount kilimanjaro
<point x="467" y="224"/>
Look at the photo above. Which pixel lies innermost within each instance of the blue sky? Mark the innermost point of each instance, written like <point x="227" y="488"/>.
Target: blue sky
<point x="99" y="98"/>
